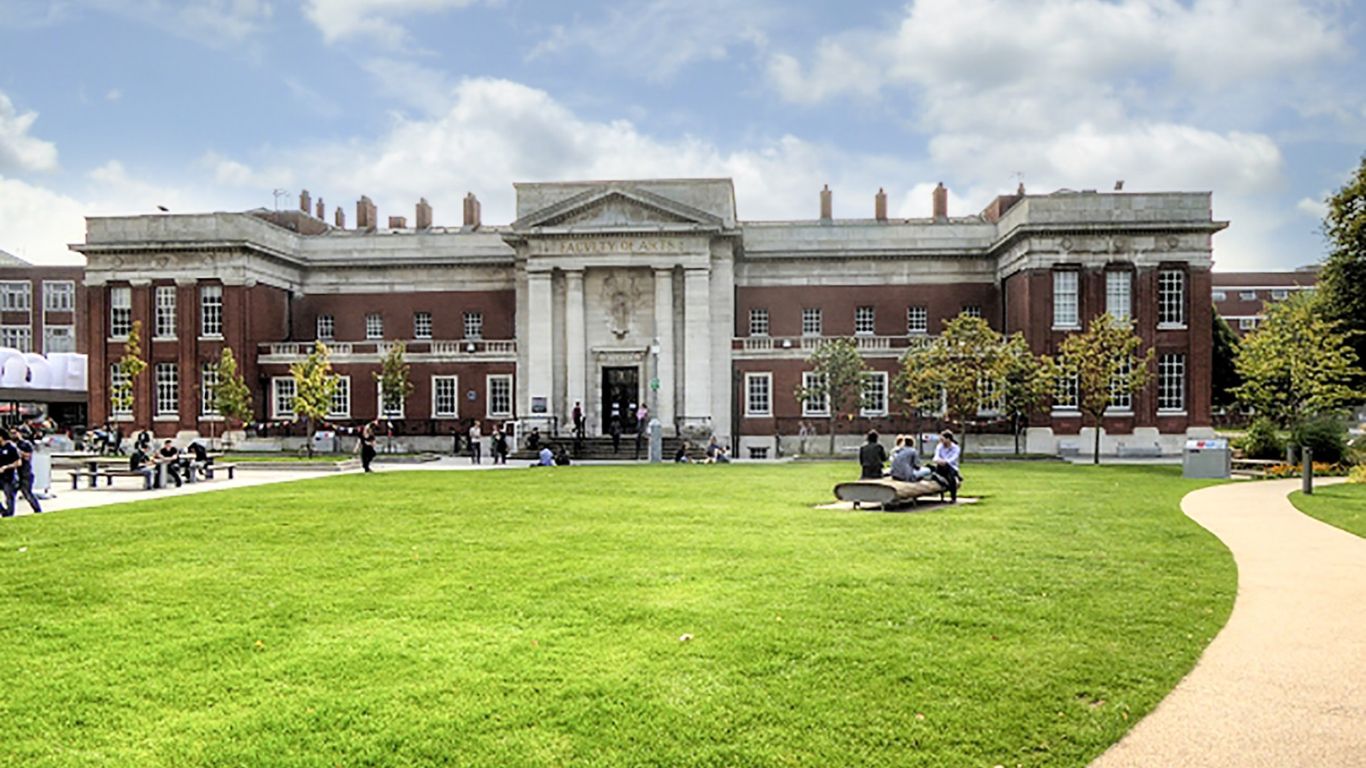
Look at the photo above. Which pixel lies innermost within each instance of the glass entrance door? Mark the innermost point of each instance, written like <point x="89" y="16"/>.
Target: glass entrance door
<point x="620" y="397"/>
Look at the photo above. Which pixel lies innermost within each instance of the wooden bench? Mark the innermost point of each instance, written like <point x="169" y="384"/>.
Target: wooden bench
<point x="886" y="492"/>
<point x="209" y="469"/>
<point x="109" y="475"/>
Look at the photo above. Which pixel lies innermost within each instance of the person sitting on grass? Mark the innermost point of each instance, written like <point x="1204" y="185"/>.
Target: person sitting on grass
<point x="681" y="455"/>
<point x="713" y="448"/>
<point x="871" y="457"/>
<point x="545" y="458"/>
<point x="906" y="461"/>
<point x="561" y="456"/>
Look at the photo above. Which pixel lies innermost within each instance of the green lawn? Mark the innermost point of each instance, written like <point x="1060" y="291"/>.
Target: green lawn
<point x="538" y="617"/>
<point x="1342" y="505"/>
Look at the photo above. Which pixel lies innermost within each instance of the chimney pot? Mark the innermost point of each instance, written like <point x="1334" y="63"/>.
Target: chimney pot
<point x="423" y="218"/>
<point x="941" y="202"/>
<point x="320" y="210"/>
<point x="367" y="215"/>
<point x="305" y="203"/>
<point x="340" y="218"/>
<point x="880" y="205"/>
<point x="827" y="203"/>
<point x="472" y="213"/>
<point x="398" y="222"/>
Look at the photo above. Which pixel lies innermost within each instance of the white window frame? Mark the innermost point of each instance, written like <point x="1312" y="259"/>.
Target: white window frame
<point x="1066" y="298"/>
<point x="488" y="395"/>
<point x="870" y="376"/>
<point x="120" y="311"/>
<point x="325" y="328"/>
<point x="163" y="316"/>
<point x="917" y="320"/>
<point x="208" y="390"/>
<point x="1171" y="298"/>
<point x="59" y="296"/>
<point x="1247" y="295"/>
<point x="374" y="326"/>
<point x="16" y="296"/>
<point x="992" y="395"/>
<point x="1121" y="401"/>
<point x="1247" y="323"/>
<point x="454" y="382"/>
<point x="758" y="321"/>
<point x="422" y="325"/>
<point x="166" y="392"/>
<point x="342" y="394"/>
<point x="1218" y="296"/>
<point x="282" y="388"/>
<point x="117" y="377"/>
<point x="971" y="310"/>
<point x="1067" y="394"/>
<point x="18" y="337"/>
<point x="1119" y="294"/>
<point x="1280" y="294"/>
<point x="474" y="326"/>
<point x="1171" y="373"/>
<point x="397" y="413"/>
<point x="865" y="321"/>
<point x="51" y="332"/>
<point x="211" y="311"/>
<point x="765" y="390"/>
<point x="813" y="324"/>
<point x="810" y="379"/>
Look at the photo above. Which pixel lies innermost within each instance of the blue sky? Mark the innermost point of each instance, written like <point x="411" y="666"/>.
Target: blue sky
<point x="117" y="106"/>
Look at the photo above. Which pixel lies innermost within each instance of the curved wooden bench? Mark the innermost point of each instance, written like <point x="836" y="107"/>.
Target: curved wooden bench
<point x="886" y="493"/>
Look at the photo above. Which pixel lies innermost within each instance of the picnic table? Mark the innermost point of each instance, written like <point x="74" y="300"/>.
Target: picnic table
<point x="109" y="467"/>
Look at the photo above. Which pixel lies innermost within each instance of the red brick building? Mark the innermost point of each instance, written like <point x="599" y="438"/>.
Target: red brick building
<point x="1241" y="297"/>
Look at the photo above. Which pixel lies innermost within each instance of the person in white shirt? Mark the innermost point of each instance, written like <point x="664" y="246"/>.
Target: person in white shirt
<point x="946" y="455"/>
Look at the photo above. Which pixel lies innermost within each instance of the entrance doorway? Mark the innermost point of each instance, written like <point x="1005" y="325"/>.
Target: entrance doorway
<point x="620" y="397"/>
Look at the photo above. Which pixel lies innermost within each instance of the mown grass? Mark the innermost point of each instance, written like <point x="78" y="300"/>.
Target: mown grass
<point x="1342" y="505"/>
<point x="542" y="618"/>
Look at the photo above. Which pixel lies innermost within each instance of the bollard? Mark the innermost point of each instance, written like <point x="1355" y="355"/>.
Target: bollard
<point x="1307" y="484"/>
<point x="656" y="441"/>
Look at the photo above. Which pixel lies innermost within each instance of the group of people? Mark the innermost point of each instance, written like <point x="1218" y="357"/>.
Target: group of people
<point x="905" y="461"/>
<point x="179" y="464"/>
<point x="499" y="444"/>
<point x="16" y="471"/>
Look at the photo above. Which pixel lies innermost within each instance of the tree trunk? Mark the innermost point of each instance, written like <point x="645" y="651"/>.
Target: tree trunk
<point x="308" y="439"/>
<point x="1016" y="424"/>
<point x="832" y="434"/>
<point x="1095" y="457"/>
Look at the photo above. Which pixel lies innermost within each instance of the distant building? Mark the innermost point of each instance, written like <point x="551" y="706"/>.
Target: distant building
<point x="1241" y="297"/>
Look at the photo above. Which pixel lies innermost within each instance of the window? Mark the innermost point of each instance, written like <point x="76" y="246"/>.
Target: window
<point x="1280" y="294"/>
<point x="208" y="388"/>
<point x="117" y="380"/>
<point x="1119" y="293"/>
<point x="1065" y="398"/>
<point x="164" y="321"/>
<point x="1121" y="399"/>
<point x="341" y="399"/>
<point x="18" y="337"/>
<point x="374" y="326"/>
<point x="917" y="320"/>
<point x="865" y="321"/>
<point x="59" y="296"/>
<point x="282" y="397"/>
<point x="758" y="321"/>
<point x="971" y="310"/>
<point x="1219" y="296"/>
<point x="211" y="311"/>
<point x="16" y="295"/>
<point x="1247" y="295"/>
<point x="1065" y="299"/>
<point x="758" y="394"/>
<point x="874" y="394"/>
<point x="445" y="397"/>
<point x="1247" y="323"/>
<point x="59" y="338"/>
<point x="167" y="403"/>
<point x="393" y="409"/>
<point x="811" y="321"/>
<point x="814" y="406"/>
<point x="326" y="328"/>
<point x="500" y="396"/>
<point x="1171" y="383"/>
<point x="120" y="311"/>
<point x="474" y="326"/>
<point x="422" y="325"/>
<point x="1171" y="297"/>
<point x="992" y="397"/>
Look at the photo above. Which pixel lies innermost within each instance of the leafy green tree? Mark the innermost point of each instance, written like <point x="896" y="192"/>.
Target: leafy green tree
<point x="1343" y="279"/>
<point x="1299" y="362"/>
<point x="395" y="382"/>
<point x="1224" y="376"/>
<point x="314" y="385"/>
<point x="1109" y="361"/>
<point x="1027" y="380"/>
<point x="961" y="372"/>
<point x="123" y="395"/>
<point x="231" y="397"/>
<point x="838" y="382"/>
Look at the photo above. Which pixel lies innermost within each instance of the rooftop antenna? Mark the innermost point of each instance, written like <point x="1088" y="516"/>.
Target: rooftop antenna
<point x="279" y="193"/>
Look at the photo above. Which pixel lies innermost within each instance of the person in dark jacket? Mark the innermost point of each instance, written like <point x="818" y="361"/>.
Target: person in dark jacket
<point x="871" y="457"/>
<point x="367" y="446"/>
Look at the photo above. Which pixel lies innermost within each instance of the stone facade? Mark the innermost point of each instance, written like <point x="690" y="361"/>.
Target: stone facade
<point x="613" y="294"/>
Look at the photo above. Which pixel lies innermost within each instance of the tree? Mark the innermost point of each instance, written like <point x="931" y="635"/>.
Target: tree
<point x="122" y="396"/>
<point x="838" y="381"/>
<point x="1343" y="280"/>
<point x="959" y="371"/>
<point x="395" y="385"/>
<point x="1298" y="362"/>
<point x="1109" y="362"/>
<point x="314" y="385"/>
<point x="231" y="396"/>
<point x="1027" y="380"/>
<point x="1224" y="376"/>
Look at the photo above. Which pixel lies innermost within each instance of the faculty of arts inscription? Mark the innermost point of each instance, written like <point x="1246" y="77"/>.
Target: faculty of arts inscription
<point x="613" y="245"/>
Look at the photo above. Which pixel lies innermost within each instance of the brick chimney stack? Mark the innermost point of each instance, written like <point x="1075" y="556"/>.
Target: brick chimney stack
<point x="827" y="203"/>
<point x="340" y="218"/>
<point x="471" y="210"/>
<point x="880" y="205"/>
<point x="321" y="210"/>
<point x="305" y="202"/>
<point x="424" y="214"/>
<point x="941" y="202"/>
<point x="367" y="216"/>
<point x="398" y="222"/>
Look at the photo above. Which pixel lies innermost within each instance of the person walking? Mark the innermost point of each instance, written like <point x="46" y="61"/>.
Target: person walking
<point x="9" y="473"/>
<point x="578" y="420"/>
<point x="500" y="445"/>
<point x="616" y="434"/>
<point x="25" y="448"/>
<point x="642" y="423"/>
<point x="367" y="446"/>
<point x="476" y="443"/>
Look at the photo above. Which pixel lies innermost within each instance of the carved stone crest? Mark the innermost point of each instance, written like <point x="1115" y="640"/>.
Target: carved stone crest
<point x="623" y="295"/>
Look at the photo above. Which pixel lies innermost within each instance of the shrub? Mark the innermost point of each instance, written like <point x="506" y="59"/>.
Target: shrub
<point x="1326" y="435"/>
<point x="1321" y="469"/>
<point x="1262" y="441"/>
<point x="1358" y="474"/>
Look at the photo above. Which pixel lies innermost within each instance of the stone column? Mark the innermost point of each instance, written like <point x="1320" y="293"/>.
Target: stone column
<point x="574" y="337"/>
<point x="664" y="331"/>
<point x="540" y="342"/>
<point x="697" y="350"/>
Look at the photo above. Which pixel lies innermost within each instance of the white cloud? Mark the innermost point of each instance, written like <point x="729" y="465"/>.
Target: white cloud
<point x="232" y="173"/>
<point x="1315" y="209"/>
<point x="113" y="94"/>
<point x="380" y="20"/>
<point x="19" y="150"/>
<point x="39" y="223"/>
<point x="215" y="23"/>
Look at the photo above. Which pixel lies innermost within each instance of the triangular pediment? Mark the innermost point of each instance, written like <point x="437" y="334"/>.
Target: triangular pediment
<point x="617" y="208"/>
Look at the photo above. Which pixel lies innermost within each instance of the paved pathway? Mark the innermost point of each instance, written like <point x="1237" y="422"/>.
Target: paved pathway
<point x="1284" y="683"/>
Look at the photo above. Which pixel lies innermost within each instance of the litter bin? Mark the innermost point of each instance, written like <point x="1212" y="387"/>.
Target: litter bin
<point x="325" y="441"/>
<point x="1207" y="459"/>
